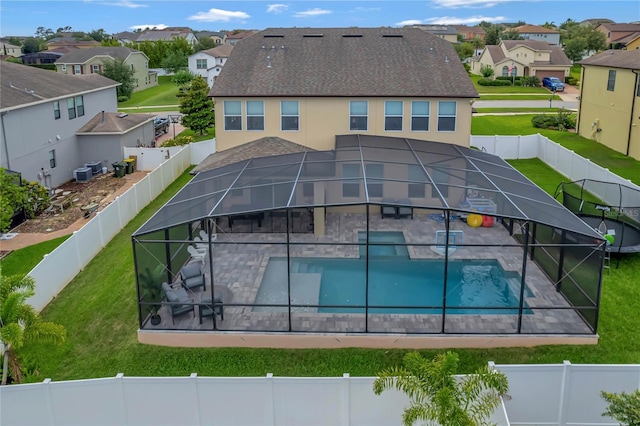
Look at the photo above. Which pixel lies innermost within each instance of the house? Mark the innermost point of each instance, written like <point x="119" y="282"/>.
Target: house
<point x="91" y="61"/>
<point x="634" y="42"/>
<point x="57" y="42"/>
<point x="7" y="49"/>
<point x="446" y="32"/>
<point x="523" y="58"/>
<point x="44" y="57"/>
<point x="594" y="22"/>
<point x="609" y="110"/>
<point x="617" y="33"/>
<point x="168" y="34"/>
<point x="233" y="37"/>
<point x="470" y="33"/>
<point x="41" y="113"/>
<point x="535" y="32"/>
<point x="208" y="63"/>
<point x="218" y="37"/>
<point x="307" y="85"/>
<point x="125" y="37"/>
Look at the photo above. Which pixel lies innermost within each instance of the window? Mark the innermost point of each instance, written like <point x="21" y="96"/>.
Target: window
<point x="255" y="115"/>
<point x="80" y="105"/>
<point x="201" y="64"/>
<point x="77" y="69"/>
<point x="95" y="68"/>
<point x="232" y="115"/>
<point x="420" y="116"/>
<point x="64" y="66"/>
<point x="71" y="107"/>
<point x="289" y="110"/>
<point x="416" y="174"/>
<point x="307" y="190"/>
<point x="56" y="109"/>
<point x="374" y="173"/>
<point x="393" y="115"/>
<point x="52" y="158"/>
<point x="638" y="90"/>
<point x="505" y="71"/>
<point x="446" y="116"/>
<point x="611" y="83"/>
<point x="351" y="187"/>
<point x="358" y="115"/>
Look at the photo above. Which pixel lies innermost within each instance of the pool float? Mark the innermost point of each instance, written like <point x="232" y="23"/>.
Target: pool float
<point x="474" y="220"/>
<point x="487" y="221"/>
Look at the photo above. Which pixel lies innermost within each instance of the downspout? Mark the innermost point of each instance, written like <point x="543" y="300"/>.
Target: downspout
<point x="4" y="140"/>
<point x="633" y="104"/>
<point x="580" y="100"/>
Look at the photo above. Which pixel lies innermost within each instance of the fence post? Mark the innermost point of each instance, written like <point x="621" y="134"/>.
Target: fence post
<point x="270" y="417"/>
<point x="98" y="218"/>
<point x="565" y="389"/>
<point x="196" y="396"/>
<point x="123" y="397"/>
<point x="52" y="413"/>
<point x="76" y="245"/>
<point x="345" y="395"/>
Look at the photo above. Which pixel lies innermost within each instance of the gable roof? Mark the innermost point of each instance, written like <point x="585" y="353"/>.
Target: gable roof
<point x="22" y="85"/>
<point x="222" y="51"/>
<point x="166" y="34"/>
<point x="344" y="62"/>
<point x="241" y="35"/>
<point x="527" y="29"/>
<point x="65" y="42"/>
<point x="113" y="123"/>
<point x="625" y="37"/>
<point x="438" y="29"/>
<point x="621" y="27"/>
<point x="537" y="45"/>
<point x="496" y="53"/>
<point x="627" y="59"/>
<point x="83" y="55"/>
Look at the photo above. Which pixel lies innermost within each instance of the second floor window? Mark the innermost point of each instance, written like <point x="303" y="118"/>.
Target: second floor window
<point x="393" y="115"/>
<point x="420" y="116"/>
<point x="611" y="83"/>
<point x="290" y="111"/>
<point x="80" y="106"/>
<point x="96" y="68"/>
<point x="56" y="109"/>
<point x="358" y="112"/>
<point x="446" y="116"/>
<point x="232" y="115"/>
<point x="201" y="64"/>
<point x="71" y="108"/>
<point x="255" y="115"/>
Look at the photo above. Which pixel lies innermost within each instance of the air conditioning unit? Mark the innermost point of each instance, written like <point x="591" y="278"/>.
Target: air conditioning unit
<point x="82" y="174"/>
<point x="95" y="166"/>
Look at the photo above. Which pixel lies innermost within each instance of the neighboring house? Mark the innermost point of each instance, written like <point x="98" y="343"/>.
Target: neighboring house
<point x="307" y="85"/>
<point x="233" y="38"/>
<point x="10" y="50"/>
<point x="634" y="42"/>
<point x="617" y="34"/>
<point x="70" y="42"/>
<point x="168" y="34"/>
<point x="446" y="32"/>
<point x="208" y="63"/>
<point x="523" y="58"/>
<point x="594" y="22"/>
<point x="91" y="61"/>
<point x="470" y="33"/>
<point x="44" y="57"/>
<point x="40" y="114"/>
<point x="218" y="37"/>
<point x="125" y="37"/>
<point x="609" y="109"/>
<point x="535" y="32"/>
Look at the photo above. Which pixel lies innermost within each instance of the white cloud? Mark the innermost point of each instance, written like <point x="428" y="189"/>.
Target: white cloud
<point x="311" y="12"/>
<point x="148" y="26"/>
<point x="366" y="9"/>
<point x="452" y="20"/>
<point x="125" y="3"/>
<point x="218" y="15"/>
<point x="456" y="4"/>
<point x="277" y="8"/>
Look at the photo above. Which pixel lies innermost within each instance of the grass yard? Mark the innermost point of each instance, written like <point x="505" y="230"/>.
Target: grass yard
<point x="504" y="89"/>
<point x="99" y="312"/>
<point x="576" y="72"/>
<point x="518" y="97"/>
<point x="162" y="94"/>
<point x="20" y="262"/>
<point x="515" y="110"/>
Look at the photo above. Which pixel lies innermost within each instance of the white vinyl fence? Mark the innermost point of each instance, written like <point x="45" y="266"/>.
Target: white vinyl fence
<point x="561" y="159"/>
<point x="150" y="158"/>
<point x="555" y="395"/>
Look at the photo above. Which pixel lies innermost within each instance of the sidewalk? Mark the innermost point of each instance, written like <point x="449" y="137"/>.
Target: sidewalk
<point x="27" y="239"/>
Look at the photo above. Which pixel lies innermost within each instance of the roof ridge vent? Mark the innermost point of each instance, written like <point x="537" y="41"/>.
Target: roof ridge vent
<point x="392" y="35"/>
<point x="273" y="35"/>
<point x="317" y="35"/>
<point x="352" y="35"/>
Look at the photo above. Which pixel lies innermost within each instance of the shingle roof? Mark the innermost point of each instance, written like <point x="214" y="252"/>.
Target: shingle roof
<point x="17" y="82"/>
<point x="621" y="27"/>
<point x="222" y="51"/>
<point x="438" y="29"/>
<point x="113" y="122"/>
<point x="496" y="53"/>
<point x="344" y="62"/>
<point x="263" y="147"/>
<point x="531" y="44"/>
<point x="625" y="37"/>
<point x="627" y="59"/>
<point x="166" y="34"/>
<point x="526" y="29"/>
<point x="83" y="55"/>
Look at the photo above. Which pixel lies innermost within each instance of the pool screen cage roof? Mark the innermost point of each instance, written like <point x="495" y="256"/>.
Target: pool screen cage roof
<point x="366" y="170"/>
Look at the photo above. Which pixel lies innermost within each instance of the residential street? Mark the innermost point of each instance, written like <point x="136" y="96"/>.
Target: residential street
<point x="525" y="104"/>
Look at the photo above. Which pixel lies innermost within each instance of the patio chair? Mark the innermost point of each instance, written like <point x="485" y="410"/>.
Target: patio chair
<point x="201" y="245"/>
<point x="192" y="276"/>
<point x="179" y="301"/>
<point x="196" y="254"/>
<point x="205" y="237"/>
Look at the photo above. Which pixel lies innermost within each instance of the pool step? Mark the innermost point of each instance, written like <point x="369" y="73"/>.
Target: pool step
<point x="305" y="268"/>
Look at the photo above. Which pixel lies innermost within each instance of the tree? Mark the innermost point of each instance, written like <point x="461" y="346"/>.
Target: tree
<point x="175" y="62"/>
<point x="183" y="77"/>
<point x="204" y="44"/>
<point x="44" y="33"/>
<point x="117" y="70"/>
<point x="510" y="34"/>
<point x="477" y="42"/>
<point x="624" y="407"/>
<point x="14" y="41"/>
<point x="32" y="45"/>
<point x="492" y="36"/>
<point x="437" y="396"/>
<point x="486" y="71"/>
<point x="21" y="324"/>
<point x="11" y="198"/>
<point x="98" y="35"/>
<point x="197" y="107"/>
<point x="575" y="48"/>
<point x="464" y="50"/>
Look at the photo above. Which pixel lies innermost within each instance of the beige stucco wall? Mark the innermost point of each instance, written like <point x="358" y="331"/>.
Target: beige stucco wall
<point x="634" y="44"/>
<point x="321" y="119"/>
<point x="485" y="59"/>
<point x="610" y="111"/>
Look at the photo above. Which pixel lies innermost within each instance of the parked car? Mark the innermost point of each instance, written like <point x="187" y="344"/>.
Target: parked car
<point x="553" y="83"/>
<point x="161" y="125"/>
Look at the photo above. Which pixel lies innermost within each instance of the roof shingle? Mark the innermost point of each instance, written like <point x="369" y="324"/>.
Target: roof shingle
<point x="627" y="59"/>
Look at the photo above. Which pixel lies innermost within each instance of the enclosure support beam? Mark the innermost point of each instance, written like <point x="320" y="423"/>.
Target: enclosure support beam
<point x="524" y="275"/>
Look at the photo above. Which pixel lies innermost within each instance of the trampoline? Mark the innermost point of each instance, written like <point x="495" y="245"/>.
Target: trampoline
<point x="610" y="208"/>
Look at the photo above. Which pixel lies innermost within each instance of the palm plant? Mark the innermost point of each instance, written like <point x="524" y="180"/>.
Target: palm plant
<point x="21" y="324"/>
<point x="440" y="398"/>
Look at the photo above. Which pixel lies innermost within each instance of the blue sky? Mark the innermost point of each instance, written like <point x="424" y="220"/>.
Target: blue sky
<point x="23" y="17"/>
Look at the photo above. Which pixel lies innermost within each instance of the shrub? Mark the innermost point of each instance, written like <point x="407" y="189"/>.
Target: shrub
<point x="488" y="82"/>
<point x="36" y="198"/>
<point x="123" y="98"/>
<point x="531" y="81"/>
<point x="178" y="141"/>
<point x="507" y="78"/>
<point x="562" y="121"/>
<point x="486" y="71"/>
<point x="571" y="80"/>
<point x="544" y="121"/>
<point x="518" y="83"/>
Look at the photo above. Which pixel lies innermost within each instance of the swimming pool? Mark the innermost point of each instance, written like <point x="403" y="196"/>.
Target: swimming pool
<point x="396" y="286"/>
<point x="383" y="237"/>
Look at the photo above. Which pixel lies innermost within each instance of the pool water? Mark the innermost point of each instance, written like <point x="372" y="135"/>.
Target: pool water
<point x="395" y="285"/>
<point x="386" y="238"/>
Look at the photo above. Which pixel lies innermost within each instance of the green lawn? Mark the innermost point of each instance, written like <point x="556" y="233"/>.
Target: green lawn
<point x="618" y="163"/>
<point x="162" y="94"/>
<point x="504" y="89"/>
<point x="575" y="72"/>
<point x="514" y="110"/>
<point x="516" y="97"/>
<point x="22" y="261"/>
